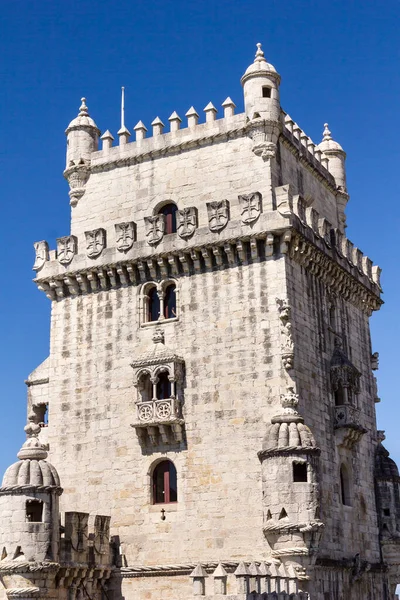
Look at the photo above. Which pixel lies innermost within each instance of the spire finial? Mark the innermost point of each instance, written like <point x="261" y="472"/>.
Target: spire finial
<point x="32" y="449"/>
<point x="83" y="109"/>
<point x="327" y="134"/>
<point x="259" y="54"/>
<point x="122" y="107"/>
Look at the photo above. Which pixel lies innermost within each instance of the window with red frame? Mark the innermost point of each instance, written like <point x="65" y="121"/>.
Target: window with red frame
<point x="164" y="483"/>
<point x="169" y="211"/>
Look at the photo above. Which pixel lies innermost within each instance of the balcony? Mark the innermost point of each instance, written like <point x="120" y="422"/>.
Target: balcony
<point x="159" y="420"/>
<point x="347" y="425"/>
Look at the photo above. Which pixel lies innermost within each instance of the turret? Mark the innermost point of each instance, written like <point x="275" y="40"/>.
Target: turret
<point x="261" y="89"/>
<point x="289" y="459"/>
<point x="336" y="157"/>
<point x="82" y="139"/>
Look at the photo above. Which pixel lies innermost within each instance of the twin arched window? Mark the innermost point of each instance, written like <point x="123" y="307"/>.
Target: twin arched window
<point x="165" y="488"/>
<point x="160" y="303"/>
<point x="159" y="390"/>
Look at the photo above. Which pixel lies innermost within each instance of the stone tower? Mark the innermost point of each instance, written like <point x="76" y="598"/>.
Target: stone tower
<point x="209" y="386"/>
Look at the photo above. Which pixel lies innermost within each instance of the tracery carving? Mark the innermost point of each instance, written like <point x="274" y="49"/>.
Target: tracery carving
<point x="66" y="249"/>
<point x="125" y="235"/>
<point x="251" y="207"/>
<point x="186" y="221"/>
<point x="95" y="242"/>
<point x="41" y="254"/>
<point x="218" y="214"/>
<point x="287" y="344"/>
<point x="155" y="228"/>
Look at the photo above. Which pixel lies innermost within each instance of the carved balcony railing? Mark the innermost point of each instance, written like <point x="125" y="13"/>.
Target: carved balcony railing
<point x="159" y="419"/>
<point x="347" y="425"/>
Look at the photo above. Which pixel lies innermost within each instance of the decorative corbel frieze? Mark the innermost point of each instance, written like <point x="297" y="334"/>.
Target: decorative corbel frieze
<point x="250" y="207"/>
<point x="66" y="249"/>
<point x="125" y="234"/>
<point x="41" y="254"/>
<point x="287" y="344"/>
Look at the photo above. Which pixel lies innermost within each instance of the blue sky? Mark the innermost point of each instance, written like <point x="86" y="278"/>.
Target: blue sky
<point x="338" y="62"/>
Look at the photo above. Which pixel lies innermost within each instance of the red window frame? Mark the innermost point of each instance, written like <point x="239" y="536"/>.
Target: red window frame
<point x="167" y="466"/>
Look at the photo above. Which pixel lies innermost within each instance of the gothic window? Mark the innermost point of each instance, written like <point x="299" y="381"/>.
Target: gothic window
<point x="345" y="485"/>
<point x="169" y="211"/>
<point x="170" y="301"/>
<point x="299" y="472"/>
<point x="163" y="386"/>
<point x="165" y="483"/>
<point x="34" y="511"/>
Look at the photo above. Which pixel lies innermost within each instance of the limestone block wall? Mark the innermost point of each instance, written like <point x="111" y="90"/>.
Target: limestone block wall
<point x="349" y="529"/>
<point x="227" y="333"/>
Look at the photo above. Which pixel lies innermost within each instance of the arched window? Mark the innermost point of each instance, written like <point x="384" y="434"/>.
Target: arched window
<point x="169" y="211"/>
<point x="163" y="386"/>
<point x="153" y="304"/>
<point x="345" y="485"/>
<point x="170" y="301"/>
<point x="145" y="388"/>
<point x="164" y="483"/>
<point x="339" y="395"/>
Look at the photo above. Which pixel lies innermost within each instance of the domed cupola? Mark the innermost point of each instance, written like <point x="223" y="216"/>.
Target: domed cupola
<point x="30" y="494"/>
<point x="289" y="458"/>
<point x="261" y="89"/>
<point x="336" y="157"/>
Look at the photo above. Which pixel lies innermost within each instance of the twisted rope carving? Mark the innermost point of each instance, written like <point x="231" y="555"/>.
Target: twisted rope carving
<point x="26" y="566"/>
<point x="25" y="489"/>
<point x="21" y="592"/>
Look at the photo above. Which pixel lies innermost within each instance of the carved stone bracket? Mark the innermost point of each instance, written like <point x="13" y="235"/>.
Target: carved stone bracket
<point x="77" y="177"/>
<point x="287" y="344"/>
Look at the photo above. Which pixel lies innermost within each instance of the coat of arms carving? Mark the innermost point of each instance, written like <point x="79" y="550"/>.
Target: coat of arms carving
<point x="95" y="242"/>
<point x="186" y="221"/>
<point x="155" y="229"/>
<point x="126" y="235"/>
<point x="218" y="214"/>
<point x="251" y="207"/>
<point x="66" y="249"/>
<point x="41" y="254"/>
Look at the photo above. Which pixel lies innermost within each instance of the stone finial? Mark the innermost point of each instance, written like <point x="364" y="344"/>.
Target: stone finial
<point x="157" y="126"/>
<point x="229" y="107"/>
<point x="192" y="117"/>
<point x="211" y="112"/>
<point x="380" y="434"/>
<point x="327" y="134"/>
<point x="259" y="57"/>
<point x="32" y="449"/>
<point x="290" y="401"/>
<point x="83" y="109"/>
<point x="107" y="139"/>
<point x="175" y="122"/>
<point x="124" y="135"/>
<point x="140" y="130"/>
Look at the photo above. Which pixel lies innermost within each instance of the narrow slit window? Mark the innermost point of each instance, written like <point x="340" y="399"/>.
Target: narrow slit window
<point x="345" y="486"/>
<point x="165" y="488"/>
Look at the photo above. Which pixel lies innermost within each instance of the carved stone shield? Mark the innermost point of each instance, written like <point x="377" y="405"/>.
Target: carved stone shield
<point x="218" y="214"/>
<point x="251" y="207"/>
<point x="126" y="235"/>
<point x="186" y="222"/>
<point x="41" y="254"/>
<point x="66" y="249"/>
<point x="95" y="242"/>
<point x="155" y="229"/>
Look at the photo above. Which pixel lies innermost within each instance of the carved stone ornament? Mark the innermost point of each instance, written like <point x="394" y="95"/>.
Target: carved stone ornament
<point x="126" y="235"/>
<point x="66" y="249"/>
<point x="251" y="207"/>
<point x="186" y="222"/>
<point x="41" y="254"/>
<point x="155" y="229"/>
<point x="218" y="214"/>
<point x="287" y="344"/>
<point x="95" y="242"/>
<point x="77" y="177"/>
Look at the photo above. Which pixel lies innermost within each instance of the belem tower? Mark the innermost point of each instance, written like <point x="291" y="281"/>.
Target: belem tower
<point x="204" y="424"/>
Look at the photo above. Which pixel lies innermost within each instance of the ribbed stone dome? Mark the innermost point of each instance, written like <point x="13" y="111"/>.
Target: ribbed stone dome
<point x="31" y="472"/>
<point x="328" y="144"/>
<point x="284" y="435"/>
<point x="260" y="66"/>
<point x="385" y="467"/>
<point x="83" y="119"/>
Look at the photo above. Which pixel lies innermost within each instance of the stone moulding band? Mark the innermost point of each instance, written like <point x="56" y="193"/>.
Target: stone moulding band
<point x="27" y="567"/>
<point x="27" y="489"/>
<point x="268" y="452"/>
<point x="233" y="252"/>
